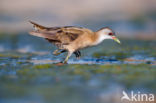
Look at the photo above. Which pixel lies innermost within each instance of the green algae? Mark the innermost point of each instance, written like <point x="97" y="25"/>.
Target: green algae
<point x="43" y="66"/>
<point x="51" y="80"/>
<point x="9" y="55"/>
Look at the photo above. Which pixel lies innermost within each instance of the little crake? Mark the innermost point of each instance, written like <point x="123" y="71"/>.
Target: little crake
<point x="71" y="39"/>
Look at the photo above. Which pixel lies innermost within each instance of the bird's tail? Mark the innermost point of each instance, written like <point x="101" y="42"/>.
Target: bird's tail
<point x="37" y="26"/>
<point x="41" y="31"/>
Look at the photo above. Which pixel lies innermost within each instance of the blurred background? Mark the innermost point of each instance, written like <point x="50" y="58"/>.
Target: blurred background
<point x="28" y="73"/>
<point x="126" y="17"/>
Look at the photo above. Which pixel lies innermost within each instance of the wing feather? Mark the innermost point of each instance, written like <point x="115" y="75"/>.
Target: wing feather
<point x="58" y="35"/>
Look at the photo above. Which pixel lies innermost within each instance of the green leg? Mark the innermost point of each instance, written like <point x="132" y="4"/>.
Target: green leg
<point x="69" y="54"/>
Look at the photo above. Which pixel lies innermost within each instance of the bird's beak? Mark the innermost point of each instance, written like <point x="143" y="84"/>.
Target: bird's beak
<point x="116" y="39"/>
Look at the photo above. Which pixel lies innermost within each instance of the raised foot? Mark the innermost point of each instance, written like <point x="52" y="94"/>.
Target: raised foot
<point x="56" y="53"/>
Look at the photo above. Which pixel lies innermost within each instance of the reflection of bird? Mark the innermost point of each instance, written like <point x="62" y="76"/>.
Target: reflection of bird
<point x="125" y="96"/>
<point x="72" y="39"/>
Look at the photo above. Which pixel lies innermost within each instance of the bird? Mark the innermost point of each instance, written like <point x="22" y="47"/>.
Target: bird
<point x="72" y="39"/>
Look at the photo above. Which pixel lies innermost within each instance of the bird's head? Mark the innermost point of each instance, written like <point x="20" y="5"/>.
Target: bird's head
<point x="107" y="33"/>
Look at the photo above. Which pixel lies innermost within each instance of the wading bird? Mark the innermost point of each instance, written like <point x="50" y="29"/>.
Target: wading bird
<point x="71" y="39"/>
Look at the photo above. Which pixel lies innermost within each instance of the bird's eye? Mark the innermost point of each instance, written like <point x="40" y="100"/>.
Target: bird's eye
<point x="110" y="34"/>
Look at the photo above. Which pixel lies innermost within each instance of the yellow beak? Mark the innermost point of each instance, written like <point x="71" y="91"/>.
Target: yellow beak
<point x="116" y="39"/>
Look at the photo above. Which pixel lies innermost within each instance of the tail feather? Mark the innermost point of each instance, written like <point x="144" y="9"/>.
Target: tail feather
<point x="43" y="34"/>
<point x="37" y="25"/>
<point x="41" y="31"/>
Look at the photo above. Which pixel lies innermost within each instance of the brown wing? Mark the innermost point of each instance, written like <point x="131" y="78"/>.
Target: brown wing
<point x="68" y="34"/>
<point x="58" y="35"/>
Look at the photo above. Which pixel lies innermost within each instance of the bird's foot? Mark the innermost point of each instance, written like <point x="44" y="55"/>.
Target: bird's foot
<point x="56" y="52"/>
<point x="77" y="54"/>
<point x="59" y="64"/>
<point x="64" y="62"/>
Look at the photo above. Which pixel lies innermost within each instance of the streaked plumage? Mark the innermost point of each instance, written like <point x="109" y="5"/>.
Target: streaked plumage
<point x="72" y="39"/>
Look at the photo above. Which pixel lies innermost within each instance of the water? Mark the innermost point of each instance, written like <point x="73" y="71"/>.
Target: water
<point x="29" y="74"/>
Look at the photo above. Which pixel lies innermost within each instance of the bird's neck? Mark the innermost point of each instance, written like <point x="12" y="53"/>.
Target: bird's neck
<point x="98" y="38"/>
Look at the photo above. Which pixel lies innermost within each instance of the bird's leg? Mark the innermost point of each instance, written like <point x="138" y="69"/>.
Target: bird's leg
<point x="69" y="54"/>
<point x="77" y="54"/>
<point x="57" y="52"/>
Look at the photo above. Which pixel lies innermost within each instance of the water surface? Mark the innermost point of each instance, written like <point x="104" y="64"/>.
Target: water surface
<point x="29" y="74"/>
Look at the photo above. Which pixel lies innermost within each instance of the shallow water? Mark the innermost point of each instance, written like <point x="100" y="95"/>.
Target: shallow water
<point x="29" y="74"/>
